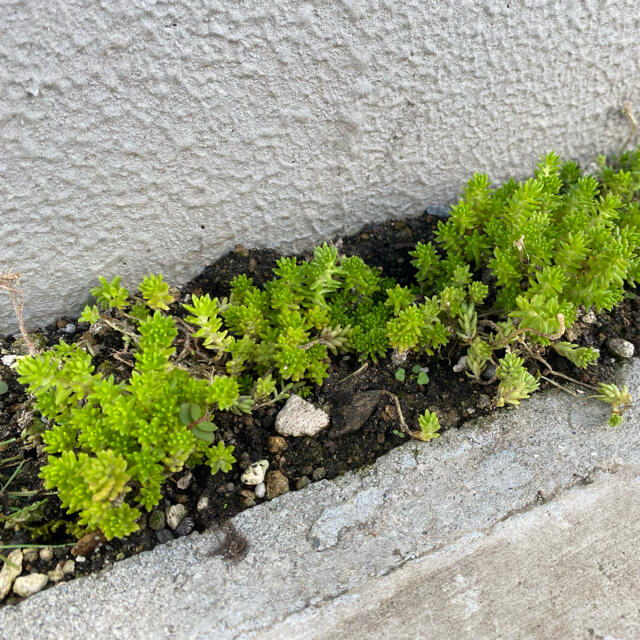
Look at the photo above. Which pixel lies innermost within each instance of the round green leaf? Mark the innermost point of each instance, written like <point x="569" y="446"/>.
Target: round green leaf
<point x="185" y="414"/>
<point x="206" y="426"/>
<point x="196" y="412"/>
<point x="3" y="387"/>
<point x="207" y="436"/>
<point x="423" y="378"/>
<point x="400" y="375"/>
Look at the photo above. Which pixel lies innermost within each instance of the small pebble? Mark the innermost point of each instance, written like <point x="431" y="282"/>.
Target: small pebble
<point x="80" y="559"/>
<point x="164" y="535"/>
<point x="175" y="513"/>
<point x="25" y="586"/>
<point x="30" y="555"/>
<point x="277" y="484"/>
<point x="319" y="473"/>
<point x="157" y="520"/>
<point x="302" y="482"/>
<point x="260" y="490"/>
<point x="461" y="365"/>
<point x="277" y="444"/>
<point x="185" y="481"/>
<point x="10" y="572"/>
<point x="203" y="503"/>
<point x="248" y="502"/>
<point x="69" y="329"/>
<point x="300" y="418"/>
<point x="254" y="473"/>
<point x="621" y="348"/>
<point x="589" y="317"/>
<point x="88" y="543"/>
<point x="46" y="554"/>
<point x="7" y="361"/>
<point x="185" y="527"/>
<point x="69" y="566"/>
<point x="489" y="372"/>
<point x="56" y="575"/>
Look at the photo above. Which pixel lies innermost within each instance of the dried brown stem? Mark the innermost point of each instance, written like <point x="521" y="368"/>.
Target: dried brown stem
<point x="10" y="282"/>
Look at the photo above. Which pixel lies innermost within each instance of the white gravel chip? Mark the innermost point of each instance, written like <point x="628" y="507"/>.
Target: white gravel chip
<point x="7" y="361"/>
<point x="254" y="474"/>
<point x="28" y="585"/>
<point x="10" y="572"/>
<point x="175" y="513"/>
<point x="300" y="418"/>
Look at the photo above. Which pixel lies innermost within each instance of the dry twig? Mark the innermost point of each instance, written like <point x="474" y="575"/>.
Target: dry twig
<point x="10" y="282"/>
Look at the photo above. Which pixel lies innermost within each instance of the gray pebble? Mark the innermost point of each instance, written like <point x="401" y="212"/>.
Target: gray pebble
<point x="621" y="348"/>
<point x="260" y="490"/>
<point x="70" y="329"/>
<point x="164" y="535"/>
<point x="489" y="372"/>
<point x="461" y="365"/>
<point x="185" y="527"/>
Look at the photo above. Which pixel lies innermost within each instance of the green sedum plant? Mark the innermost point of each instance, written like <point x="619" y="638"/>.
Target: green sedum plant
<point x="551" y="247"/>
<point x="110" y="443"/>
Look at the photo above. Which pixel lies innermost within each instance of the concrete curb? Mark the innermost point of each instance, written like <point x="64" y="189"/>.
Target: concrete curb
<point x="336" y="540"/>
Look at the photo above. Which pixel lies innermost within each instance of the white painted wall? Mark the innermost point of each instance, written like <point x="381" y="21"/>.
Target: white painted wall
<point x="144" y="136"/>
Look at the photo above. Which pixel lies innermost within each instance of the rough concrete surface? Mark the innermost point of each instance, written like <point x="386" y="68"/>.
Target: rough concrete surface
<point x="524" y="525"/>
<point x="141" y="136"/>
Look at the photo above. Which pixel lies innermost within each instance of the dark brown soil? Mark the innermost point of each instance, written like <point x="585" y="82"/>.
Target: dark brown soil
<point x="450" y="395"/>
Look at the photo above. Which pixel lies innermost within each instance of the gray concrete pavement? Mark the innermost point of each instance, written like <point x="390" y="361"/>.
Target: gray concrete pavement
<point x="524" y="525"/>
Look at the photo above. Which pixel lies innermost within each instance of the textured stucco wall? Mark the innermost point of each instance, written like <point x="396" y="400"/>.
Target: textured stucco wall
<point x="142" y="136"/>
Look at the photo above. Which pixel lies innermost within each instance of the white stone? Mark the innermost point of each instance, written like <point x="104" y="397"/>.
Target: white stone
<point x="300" y="418"/>
<point x="175" y="513"/>
<point x="461" y="365"/>
<point x="56" y="575"/>
<point x="28" y="585"/>
<point x="203" y="503"/>
<point x="589" y="317"/>
<point x="254" y="474"/>
<point x="7" y="361"/>
<point x="69" y="566"/>
<point x="621" y="348"/>
<point x="46" y="554"/>
<point x="9" y="573"/>
<point x="260" y="490"/>
<point x="30" y="555"/>
<point x="185" y="481"/>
